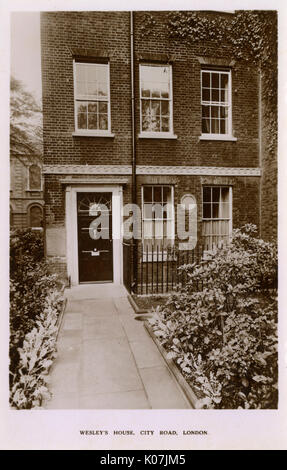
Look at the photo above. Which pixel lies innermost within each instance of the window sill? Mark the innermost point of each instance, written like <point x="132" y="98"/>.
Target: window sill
<point x="157" y="135"/>
<point x="229" y="138"/>
<point x="92" y="134"/>
<point x="34" y="190"/>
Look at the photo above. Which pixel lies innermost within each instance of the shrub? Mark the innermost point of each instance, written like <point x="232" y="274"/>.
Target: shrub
<point x="30" y="286"/>
<point x="224" y="336"/>
<point x="35" y="357"/>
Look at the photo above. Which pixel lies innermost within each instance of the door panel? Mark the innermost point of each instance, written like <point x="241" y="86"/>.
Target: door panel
<point x="95" y="241"/>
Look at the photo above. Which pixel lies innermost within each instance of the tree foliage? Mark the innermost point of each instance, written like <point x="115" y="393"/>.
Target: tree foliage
<point x="25" y="123"/>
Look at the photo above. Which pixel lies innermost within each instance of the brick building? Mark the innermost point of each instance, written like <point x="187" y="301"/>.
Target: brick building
<point x="146" y="119"/>
<point x="26" y="193"/>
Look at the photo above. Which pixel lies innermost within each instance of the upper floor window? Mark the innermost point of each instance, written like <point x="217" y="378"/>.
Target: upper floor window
<point x="216" y="103"/>
<point x="156" y="100"/>
<point x="35" y="178"/>
<point x="92" y="98"/>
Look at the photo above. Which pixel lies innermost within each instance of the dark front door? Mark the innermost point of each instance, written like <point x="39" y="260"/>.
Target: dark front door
<point x="95" y="237"/>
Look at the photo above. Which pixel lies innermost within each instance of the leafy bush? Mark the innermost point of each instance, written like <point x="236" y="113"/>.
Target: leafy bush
<point x="224" y="336"/>
<point x="30" y="285"/>
<point x="36" y="355"/>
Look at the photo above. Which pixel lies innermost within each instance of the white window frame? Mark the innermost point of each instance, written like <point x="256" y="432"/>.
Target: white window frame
<point x="210" y="135"/>
<point x="41" y="179"/>
<point x="230" y="208"/>
<point x="157" y="135"/>
<point x="92" y="132"/>
<point x="149" y="257"/>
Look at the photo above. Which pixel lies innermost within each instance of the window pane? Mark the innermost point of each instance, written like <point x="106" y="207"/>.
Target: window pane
<point x="223" y="127"/>
<point x="205" y="111"/>
<point x="215" y="194"/>
<point x="223" y="112"/>
<point x="82" y="107"/>
<point x="164" y="108"/>
<point x="215" y="111"/>
<point x="147" y="193"/>
<point x="155" y="108"/>
<point x="155" y="91"/>
<point x="148" y="211"/>
<point x="157" y="210"/>
<point x="158" y="232"/>
<point x="215" y="80"/>
<point x="215" y="211"/>
<point x="215" y="95"/>
<point x="103" y="121"/>
<point x="147" y="229"/>
<point x="102" y="89"/>
<point x="82" y="121"/>
<point x="92" y="121"/>
<point x="215" y="126"/>
<point x="165" y="124"/>
<point x="103" y="107"/>
<point x="224" y="81"/>
<point x="151" y="123"/>
<point x="145" y="107"/>
<point x="206" y="79"/>
<point x="205" y="126"/>
<point x="206" y="211"/>
<point x="224" y="96"/>
<point x="92" y="107"/>
<point x="166" y="194"/>
<point x="157" y="193"/>
<point x="206" y="194"/>
<point x="205" y="94"/>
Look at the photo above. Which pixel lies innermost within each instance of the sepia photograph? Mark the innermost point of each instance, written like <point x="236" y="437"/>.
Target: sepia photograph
<point x="143" y="220"/>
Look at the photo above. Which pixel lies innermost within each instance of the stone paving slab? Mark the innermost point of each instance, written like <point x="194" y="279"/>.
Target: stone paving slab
<point x="161" y="388"/>
<point x="145" y="353"/>
<point x="106" y="359"/>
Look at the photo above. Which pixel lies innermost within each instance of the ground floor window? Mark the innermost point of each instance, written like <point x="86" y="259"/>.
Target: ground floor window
<point x="216" y="215"/>
<point x="36" y="217"/>
<point x="157" y="218"/>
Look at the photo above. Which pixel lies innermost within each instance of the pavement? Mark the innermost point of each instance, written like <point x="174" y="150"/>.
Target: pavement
<point x="106" y="359"/>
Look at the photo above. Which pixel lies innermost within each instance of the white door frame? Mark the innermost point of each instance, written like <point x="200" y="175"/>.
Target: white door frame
<point x="72" y="229"/>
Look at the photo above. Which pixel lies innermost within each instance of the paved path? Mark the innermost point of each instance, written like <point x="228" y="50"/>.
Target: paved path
<point x="106" y="359"/>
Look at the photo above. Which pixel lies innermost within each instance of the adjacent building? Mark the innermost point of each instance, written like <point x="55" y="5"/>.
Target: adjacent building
<point x="26" y="192"/>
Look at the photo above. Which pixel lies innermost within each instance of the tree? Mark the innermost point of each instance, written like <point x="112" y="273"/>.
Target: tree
<point x="25" y="124"/>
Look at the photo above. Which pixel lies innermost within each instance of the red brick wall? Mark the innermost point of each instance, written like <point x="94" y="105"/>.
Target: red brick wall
<point x="188" y="149"/>
<point x="63" y="32"/>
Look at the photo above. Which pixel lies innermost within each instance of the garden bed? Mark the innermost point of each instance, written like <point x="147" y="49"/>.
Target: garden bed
<point x="223" y="337"/>
<point x="36" y="310"/>
<point x="145" y="303"/>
